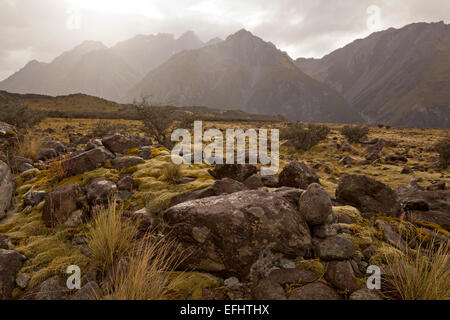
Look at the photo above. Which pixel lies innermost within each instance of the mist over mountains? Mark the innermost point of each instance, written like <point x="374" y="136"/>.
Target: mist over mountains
<point x="397" y="76"/>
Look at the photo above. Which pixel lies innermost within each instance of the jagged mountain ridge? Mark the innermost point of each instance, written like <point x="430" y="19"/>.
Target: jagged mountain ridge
<point x="94" y="69"/>
<point x="243" y="72"/>
<point x="397" y="76"/>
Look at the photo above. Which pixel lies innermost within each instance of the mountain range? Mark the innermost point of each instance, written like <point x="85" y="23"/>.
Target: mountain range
<point x="396" y="77"/>
<point x="94" y="69"/>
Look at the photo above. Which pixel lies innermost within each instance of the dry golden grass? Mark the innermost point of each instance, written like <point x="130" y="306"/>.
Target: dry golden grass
<point x="58" y="169"/>
<point x="171" y="173"/>
<point x="147" y="274"/>
<point x="422" y="274"/>
<point x="29" y="147"/>
<point x="109" y="237"/>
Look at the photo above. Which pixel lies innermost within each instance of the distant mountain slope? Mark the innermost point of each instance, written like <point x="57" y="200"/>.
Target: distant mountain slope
<point x="94" y="69"/>
<point x="71" y="103"/>
<point x="397" y="76"/>
<point x="243" y="72"/>
<point x="85" y="106"/>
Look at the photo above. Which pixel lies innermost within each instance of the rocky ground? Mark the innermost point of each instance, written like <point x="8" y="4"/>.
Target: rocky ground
<point x="308" y="233"/>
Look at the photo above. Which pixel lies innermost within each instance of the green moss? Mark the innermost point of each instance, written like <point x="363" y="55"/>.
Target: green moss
<point x="59" y="265"/>
<point x="132" y="152"/>
<point x="362" y="236"/>
<point x="384" y="254"/>
<point x="312" y="265"/>
<point x="157" y="151"/>
<point x="108" y="165"/>
<point x="349" y="211"/>
<point x="433" y="226"/>
<point x="189" y="285"/>
<point x="129" y="170"/>
<point x="85" y="178"/>
<point x="10" y="133"/>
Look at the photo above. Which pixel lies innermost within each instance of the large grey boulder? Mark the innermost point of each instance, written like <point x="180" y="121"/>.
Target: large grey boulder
<point x="368" y="195"/>
<point x="234" y="233"/>
<point x="430" y="206"/>
<point x="315" y="205"/>
<point x="297" y="175"/>
<point x="100" y="191"/>
<point x="340" y="274"/>
<point x="120" y="143"/>
<point x="6" y="188"/>
<point x="335" y="248"/>
<point x="238" y="172"/>
<point x="86" y="161"/>
<point x="223" y="186"/>
<point x="60" y="203"/>
<point x="126" y="162"/>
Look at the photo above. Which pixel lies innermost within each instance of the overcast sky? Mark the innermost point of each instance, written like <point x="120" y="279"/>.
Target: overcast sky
<point x="43" y="29"/>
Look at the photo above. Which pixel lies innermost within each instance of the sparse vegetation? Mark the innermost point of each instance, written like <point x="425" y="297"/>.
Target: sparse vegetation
<point x="355" y="134"/>
<point x="109" y="237"/>
<point x="421" y="274"/>
<point x="20" y="116"/>
<point x="102" y="127"/>
<point x="443" y="148"/>
<point x="29" y="146"/>
<point x="171" y="173"/>
<point x="58" y="169"/>
<point x="155" y="204"/>
<point x="159" y="121"/>
<point x="146" y="275"/>
<point x="304" y="137"/>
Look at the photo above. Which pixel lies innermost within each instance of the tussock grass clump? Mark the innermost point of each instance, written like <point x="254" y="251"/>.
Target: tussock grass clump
<point x="109" y="236"/>
<point x="29" y="147"/>
<point x="58" y="169"/>
<point x="304" y="137"/>
<point x="421" y="274"/>
<point x="171" y="173"/>
<point x="355" y="134"/>
<point x="147" y="274"/>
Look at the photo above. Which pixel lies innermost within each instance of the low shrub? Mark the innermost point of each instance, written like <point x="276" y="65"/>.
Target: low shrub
<point x="443" y="148"/>
<point x="171" y="173"/>
<point x="304" y="137"/>
<point x="355" y="134"/>
<point x="29" y="146"/>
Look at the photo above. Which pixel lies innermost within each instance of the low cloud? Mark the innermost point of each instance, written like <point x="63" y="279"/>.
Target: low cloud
<point x="42" y="29"/>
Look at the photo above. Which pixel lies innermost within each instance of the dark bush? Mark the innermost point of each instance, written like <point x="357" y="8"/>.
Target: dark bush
<point x="159" y="122"/>
<point x="20" y="116"/>
<point x="354" y="133"/>
<point x="102" y="127"/>
<point x="304" y="137"/>
<point x="443" y="148"/>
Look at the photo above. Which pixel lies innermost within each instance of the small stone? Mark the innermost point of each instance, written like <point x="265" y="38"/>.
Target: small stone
<point x="340" y="274"/>
<point x="314" y="291"/>
<point x="90" y="291"/>
<point x="268" y="290"/>
<point x="365" y="294"/>
<point x="335" y="248"/>
<point x="22" y="280"/>
<point x="75" y="219"/>
<point x="232" y="282"/>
